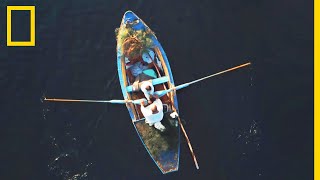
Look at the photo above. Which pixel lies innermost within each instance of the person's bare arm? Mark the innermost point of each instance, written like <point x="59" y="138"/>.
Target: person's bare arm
<point x="142" y="103"/>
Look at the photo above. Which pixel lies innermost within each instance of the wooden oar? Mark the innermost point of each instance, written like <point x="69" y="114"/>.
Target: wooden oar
<point x="181" y="86"/>
<point x="188" y="141"/>
<point x="138" y="101"/>
<point x="215" y="74"/>
<point x="159" y="93"/>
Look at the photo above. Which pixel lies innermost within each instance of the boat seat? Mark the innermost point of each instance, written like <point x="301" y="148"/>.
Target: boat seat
<point x="156" y="81"/>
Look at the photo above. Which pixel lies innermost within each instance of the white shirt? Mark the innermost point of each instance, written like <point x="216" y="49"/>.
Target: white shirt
<point x="146" y="93"/>
<point x="147" y="112"/>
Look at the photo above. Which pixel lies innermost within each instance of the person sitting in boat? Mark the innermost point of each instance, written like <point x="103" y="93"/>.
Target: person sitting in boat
<point x="139" y="62"/>
<point x="147" y="89"/>
<point x="153" y="112"/>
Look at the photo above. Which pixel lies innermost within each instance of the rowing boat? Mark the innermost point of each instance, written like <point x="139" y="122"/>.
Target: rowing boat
<point x="163" y="147"/>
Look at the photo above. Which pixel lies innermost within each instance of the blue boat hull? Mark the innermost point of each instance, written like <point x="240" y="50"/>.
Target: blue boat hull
<point x="163" y="148"/>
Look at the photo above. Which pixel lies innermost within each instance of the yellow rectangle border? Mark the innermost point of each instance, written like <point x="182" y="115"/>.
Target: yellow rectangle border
<point x="32" y="41"/>
<point x="316" y="90"/>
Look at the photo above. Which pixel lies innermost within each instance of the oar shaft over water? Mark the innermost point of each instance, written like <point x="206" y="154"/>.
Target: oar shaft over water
<point x="114" y="101"/>
<point x="181" y="86"/>
<point x="212" y="75"/>
<point x="75" y="100"/>
<point x="159" y="93"/>
<point x="189" y="144"/>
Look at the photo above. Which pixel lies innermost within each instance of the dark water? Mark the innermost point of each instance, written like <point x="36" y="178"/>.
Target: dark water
<point x="254" y="123"/>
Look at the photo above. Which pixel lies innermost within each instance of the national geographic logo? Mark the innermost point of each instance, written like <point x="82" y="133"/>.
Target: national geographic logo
<point x="32" y="41"/>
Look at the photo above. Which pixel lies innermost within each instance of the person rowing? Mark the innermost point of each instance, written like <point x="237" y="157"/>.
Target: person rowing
<point x="147" y="89"/>
<point x="153" y="112"/>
